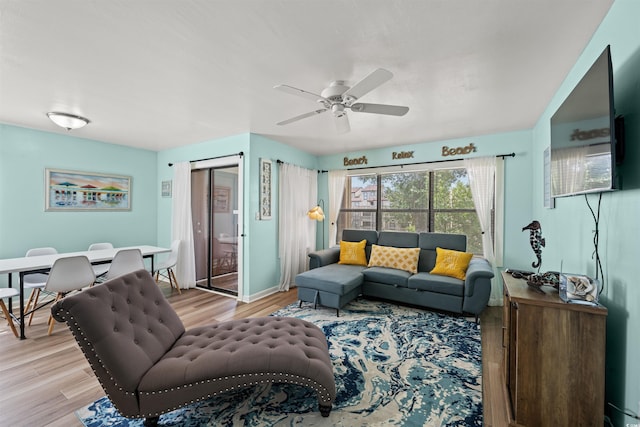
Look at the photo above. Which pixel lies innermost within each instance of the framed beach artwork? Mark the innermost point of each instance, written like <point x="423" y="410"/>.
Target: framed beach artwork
<point x="265" y="188"/>
<point x="86" y="191"/>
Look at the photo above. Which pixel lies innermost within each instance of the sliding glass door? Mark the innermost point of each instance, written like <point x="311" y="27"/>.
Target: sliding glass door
<point x="215" y="201"/>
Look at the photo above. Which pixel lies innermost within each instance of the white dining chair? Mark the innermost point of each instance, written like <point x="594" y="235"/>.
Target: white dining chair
<point x="8" y="293"/>
<point x="36" y="281"/>
<point x="168" y="264"/>
<point x="125" y="261"/>
<point x="100" y="269"/>
<point x="223" y="258"/>
<point x="67" y="275"/>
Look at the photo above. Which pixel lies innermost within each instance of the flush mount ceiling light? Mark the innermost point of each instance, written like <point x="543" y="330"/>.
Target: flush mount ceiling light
<point x="67" y="121"/>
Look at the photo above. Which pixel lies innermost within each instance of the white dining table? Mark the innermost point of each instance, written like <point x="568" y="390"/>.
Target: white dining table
<point x="43" y="263"/>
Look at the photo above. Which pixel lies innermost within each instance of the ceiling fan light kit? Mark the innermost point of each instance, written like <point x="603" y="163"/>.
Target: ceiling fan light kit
<point x="338" y="110"/>
<point x="337" y="97"/>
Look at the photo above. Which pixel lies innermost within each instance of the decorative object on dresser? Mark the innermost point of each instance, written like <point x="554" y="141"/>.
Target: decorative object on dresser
<point x="536" y="241"/>
<point x="554" y="356"/>
<point x="579" y="289"/>
<point x="535" y="280"/>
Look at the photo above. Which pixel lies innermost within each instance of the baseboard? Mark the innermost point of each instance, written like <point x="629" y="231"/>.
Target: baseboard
<point x="260" y="295"/>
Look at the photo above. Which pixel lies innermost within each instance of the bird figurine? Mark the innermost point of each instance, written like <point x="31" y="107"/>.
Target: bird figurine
<point x="537" y="241"/>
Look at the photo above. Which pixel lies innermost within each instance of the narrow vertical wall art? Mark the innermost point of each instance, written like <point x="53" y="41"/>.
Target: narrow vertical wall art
<point x="265" y="188"/>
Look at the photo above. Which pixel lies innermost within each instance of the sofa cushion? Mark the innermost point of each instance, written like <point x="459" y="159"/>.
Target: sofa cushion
<point x="451" y="263"/>
<point x="334" y="278"/>
<point x="434" y="283"/>
<point x="388" y="276"/>
<point x="352" y="253"/>
<point x="398" y="239"/>
<point x="371" y="236"/>
<point x="428" y="242"/>
<point x="399" y="258"/>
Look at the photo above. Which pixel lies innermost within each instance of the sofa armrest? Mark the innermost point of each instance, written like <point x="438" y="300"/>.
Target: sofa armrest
<point x="324" y="257"/>
<point x="477" y="285"/>
<point x="478" y="268"/>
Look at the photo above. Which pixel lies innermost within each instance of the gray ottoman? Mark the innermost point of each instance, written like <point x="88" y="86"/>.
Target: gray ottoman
<point x="332" y="286"/>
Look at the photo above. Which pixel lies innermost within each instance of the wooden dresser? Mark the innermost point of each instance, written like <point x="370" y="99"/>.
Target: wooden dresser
<point x="554" y="356"/>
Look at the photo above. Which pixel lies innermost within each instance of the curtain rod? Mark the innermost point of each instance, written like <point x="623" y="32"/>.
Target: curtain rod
<point x="281" y="162"/>
<point x="212" y="158"/>
<point x="424" y="163"/>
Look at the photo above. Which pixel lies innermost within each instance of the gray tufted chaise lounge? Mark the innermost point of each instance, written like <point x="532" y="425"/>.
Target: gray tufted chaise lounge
<point x="149" y="365"/>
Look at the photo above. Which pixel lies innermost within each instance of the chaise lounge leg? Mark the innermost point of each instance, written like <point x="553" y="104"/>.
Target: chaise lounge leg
<point x="325" y="410"/>
<point x="151" y="421"/>
<point x="300" y="305"/>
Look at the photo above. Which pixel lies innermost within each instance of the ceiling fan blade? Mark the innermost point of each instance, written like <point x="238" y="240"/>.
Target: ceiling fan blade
<point x="342" y="123"/>
<point x="367" y="84"/>
<point x="302" y="116"/>
<point x="299" y="92"/>
<point x="389" y="110"/>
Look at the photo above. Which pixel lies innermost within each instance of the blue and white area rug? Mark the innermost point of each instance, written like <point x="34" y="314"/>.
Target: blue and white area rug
<point x="394" y="366"/>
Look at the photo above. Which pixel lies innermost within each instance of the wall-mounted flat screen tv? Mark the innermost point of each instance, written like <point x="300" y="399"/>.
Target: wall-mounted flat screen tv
<point x="583" y="146"/>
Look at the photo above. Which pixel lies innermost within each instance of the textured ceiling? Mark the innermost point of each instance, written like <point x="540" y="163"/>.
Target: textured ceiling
<point x="161" y="74"/>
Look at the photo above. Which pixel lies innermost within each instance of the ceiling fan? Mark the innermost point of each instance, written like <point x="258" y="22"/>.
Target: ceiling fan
<point x="338" y="97"/>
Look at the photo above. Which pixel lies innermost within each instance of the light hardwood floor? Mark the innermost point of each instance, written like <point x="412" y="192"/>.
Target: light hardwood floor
<point x="44" y="379"/>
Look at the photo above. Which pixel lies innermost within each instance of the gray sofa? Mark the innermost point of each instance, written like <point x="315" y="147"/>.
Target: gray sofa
<point x="334" y="285"/>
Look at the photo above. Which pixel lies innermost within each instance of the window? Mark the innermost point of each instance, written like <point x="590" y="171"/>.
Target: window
<point x="436" y="201"/>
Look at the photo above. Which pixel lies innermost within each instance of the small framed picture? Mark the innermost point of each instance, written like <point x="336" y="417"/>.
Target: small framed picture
<point x="166" y="188"/>
<point x="221" y="198"/>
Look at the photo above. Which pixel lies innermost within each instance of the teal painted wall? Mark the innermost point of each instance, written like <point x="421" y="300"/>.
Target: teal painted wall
<point x="24" y="155"/>
<point x="263" y="234"/>
<point x="568" y="228"/>
<point x="518" y="179"/>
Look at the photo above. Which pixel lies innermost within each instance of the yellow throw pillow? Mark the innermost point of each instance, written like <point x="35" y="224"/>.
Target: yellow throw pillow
<point x="399" y="258"/>
<point x="353" y="253"/>
<point x="451" y="263"/>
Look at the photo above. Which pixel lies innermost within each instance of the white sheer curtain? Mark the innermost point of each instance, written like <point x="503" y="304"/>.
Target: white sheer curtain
<point x="482" y="172"/>
<point x="181" y="228"/>
<point x="297" y="233"/>
<point x="336" y="190"/>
